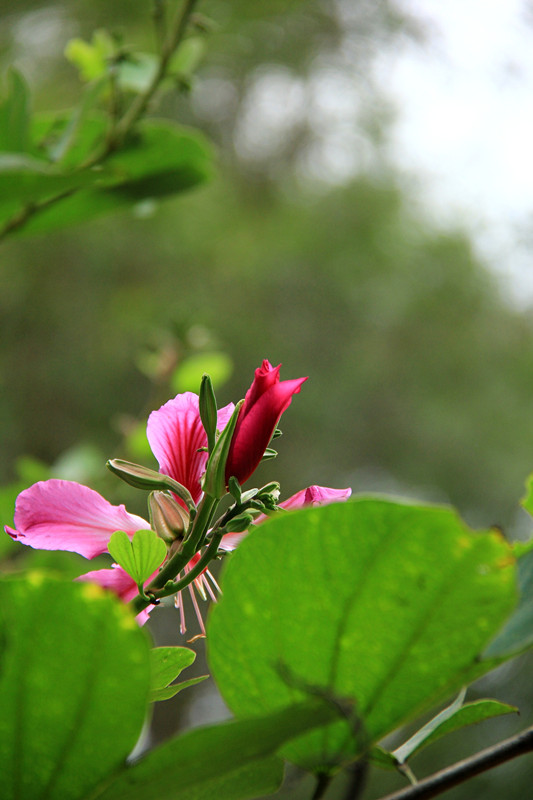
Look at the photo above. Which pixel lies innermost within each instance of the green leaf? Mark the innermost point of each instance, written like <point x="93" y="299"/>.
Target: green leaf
<point x="451" y="719"/>
<point x="517" y="635"/>
<point x="68" y="716"/>
<point x="25" y="179"/>
<point x="141" y="556"/>
<point x="91" y="59"/>
<point x="188" y="56"/>
<point x="527" y="500"/>
<point x="170" y="691"/>
<point x="167" y="663"/>
<point x="388" y="603"/>
<point x="187" y="377"/>
<point x="229" y="761"/>
<point x="161" y="159"/>
<point x="15" y="114"/>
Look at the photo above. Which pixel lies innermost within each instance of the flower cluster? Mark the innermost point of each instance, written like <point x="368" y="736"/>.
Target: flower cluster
<point x="197" y="447"/>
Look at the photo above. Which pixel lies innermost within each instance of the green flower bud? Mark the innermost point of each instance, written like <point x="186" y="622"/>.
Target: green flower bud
<point x="169" y="519"/>
<point x="146" y="478"/>
<point x="208" y="410"/>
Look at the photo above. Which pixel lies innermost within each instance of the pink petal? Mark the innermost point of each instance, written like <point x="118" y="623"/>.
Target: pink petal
<point x="315" y="496"/>
<point x="118" y="581"/>
<point x="176" y="434"/>
<point x="64" y="515"/>
<point x="312" y="496"/>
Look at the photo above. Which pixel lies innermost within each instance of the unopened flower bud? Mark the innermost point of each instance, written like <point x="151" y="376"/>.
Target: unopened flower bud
<point x="208" y="410"/>
<point x="238" y="524"/>
<point x="169" y="519"/>
<point x="146" y="478"/>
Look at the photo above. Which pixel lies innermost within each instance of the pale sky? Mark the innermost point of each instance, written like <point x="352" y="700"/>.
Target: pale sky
<point x="465" y="125"/>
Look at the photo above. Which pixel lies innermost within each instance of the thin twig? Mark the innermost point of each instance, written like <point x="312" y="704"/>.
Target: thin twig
<point x="119" y="130"/>
<point x="464" y="770"/>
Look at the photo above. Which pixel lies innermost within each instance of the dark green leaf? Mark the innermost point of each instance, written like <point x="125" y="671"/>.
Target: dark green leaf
<point x="385" y="602"/>
<point x="228" y="761"/>
<point x="74" y="679"/>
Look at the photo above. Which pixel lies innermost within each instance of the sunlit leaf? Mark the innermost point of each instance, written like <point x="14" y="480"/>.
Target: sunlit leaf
<point x="74" y="681"/>
<point x="385" y="602"/>
<point x="139" y="557"/>
<point x="188" y="375"/>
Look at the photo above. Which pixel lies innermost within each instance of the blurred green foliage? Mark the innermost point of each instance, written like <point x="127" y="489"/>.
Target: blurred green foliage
<point x="421" y="374"/>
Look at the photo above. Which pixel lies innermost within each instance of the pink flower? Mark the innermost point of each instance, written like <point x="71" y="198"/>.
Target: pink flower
<point x="64" y="515"/>
<point x="177" y="436"/>
<point x="265" y="401"/>
<point x="312" y="496"/>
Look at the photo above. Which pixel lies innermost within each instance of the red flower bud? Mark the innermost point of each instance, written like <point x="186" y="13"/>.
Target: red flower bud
<point x="265" y="401"/>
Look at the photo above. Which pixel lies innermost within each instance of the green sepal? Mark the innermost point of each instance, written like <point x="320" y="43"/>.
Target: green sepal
<point x="208" y="410"/>
<point x="168" y="518"/>
<point x="146" y="478"/>
<point x="214" y="483"/>
<point x="139" y="557"/>
<point x="268" y="454"/>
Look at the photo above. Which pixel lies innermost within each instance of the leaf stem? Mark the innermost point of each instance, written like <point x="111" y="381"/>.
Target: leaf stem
<point x="163" y="584"/>
<point x="119" y="129"/>
<point x="467" y="768"/>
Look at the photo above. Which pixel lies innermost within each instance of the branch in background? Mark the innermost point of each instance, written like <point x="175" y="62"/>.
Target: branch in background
<point x="468" y="768"/>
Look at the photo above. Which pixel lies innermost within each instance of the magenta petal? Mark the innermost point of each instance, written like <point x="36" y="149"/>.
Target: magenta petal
<point x="64" y="515"/>
<point x="118" y="581"/>
<point x="176" y="434"/>
<point x="257" y="422"/>
<point x="315" y="496"/>
<point x="312" y="496"/>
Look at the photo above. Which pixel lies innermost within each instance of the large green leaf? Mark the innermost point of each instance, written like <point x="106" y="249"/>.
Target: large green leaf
<point x="388" y="603"/>
<point x="229" y="761"/>
<point x="74" y="680"/>
<point x="158" y="160"/>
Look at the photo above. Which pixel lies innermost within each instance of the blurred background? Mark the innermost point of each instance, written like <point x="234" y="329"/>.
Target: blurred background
<point x="369" y="225"/>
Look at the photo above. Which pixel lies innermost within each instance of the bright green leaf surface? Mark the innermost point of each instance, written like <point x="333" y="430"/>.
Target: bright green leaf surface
<point x="74" y="681"/>
<point x="188" y="375"/>
<point x="167" y="663"/>
<point x="461" y="717"/>
<point x="141" y="556"/>
<point x="227" y="762"/>
<point x="387" y="603"/>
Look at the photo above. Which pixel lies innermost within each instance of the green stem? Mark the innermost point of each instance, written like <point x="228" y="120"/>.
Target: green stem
<point x="465" y="770"/>
<point x="119" y="130"/>
<point x="158" y="587"/>
<point x="140" y="103"/>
